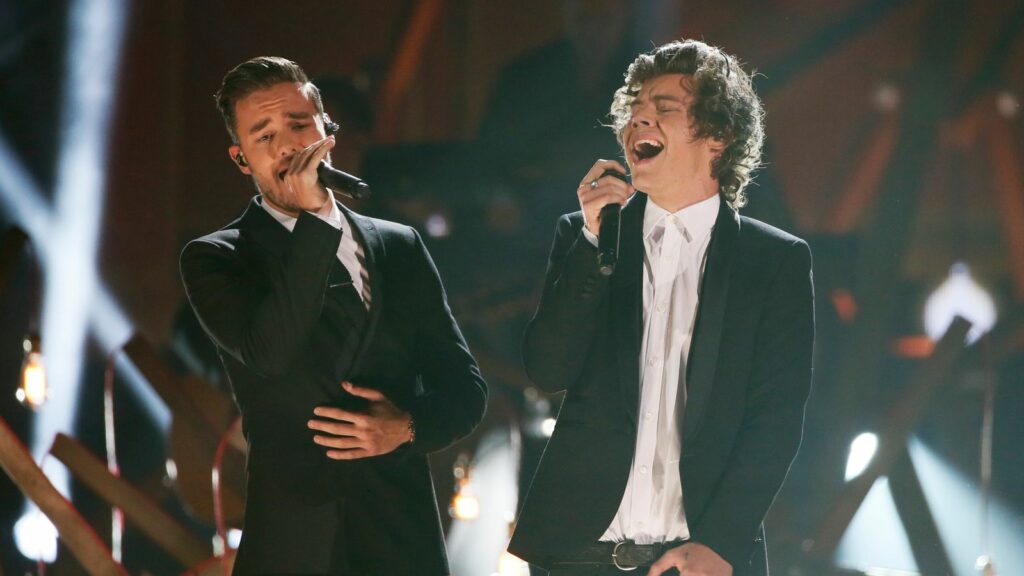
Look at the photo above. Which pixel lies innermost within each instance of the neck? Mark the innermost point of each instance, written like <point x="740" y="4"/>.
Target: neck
<point x="279" y="208"/>
<point x="676" y="199"/>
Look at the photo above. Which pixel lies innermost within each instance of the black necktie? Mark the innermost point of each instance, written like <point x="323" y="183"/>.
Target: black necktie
<point x="346" y="315"/>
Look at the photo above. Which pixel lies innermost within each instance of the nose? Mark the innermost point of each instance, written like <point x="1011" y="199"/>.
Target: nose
<point x="641" y="117"/>
<point x="287" y="144"/>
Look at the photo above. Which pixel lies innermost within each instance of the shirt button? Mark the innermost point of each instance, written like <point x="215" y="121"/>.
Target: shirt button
<point x="661" y="306"/>
<point x="643" y="469"/>
<point x="652" y="361"/>
<point x="648" y="414"/>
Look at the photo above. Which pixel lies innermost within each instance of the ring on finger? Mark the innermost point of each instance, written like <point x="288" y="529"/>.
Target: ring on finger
<point x="593" y="183"/>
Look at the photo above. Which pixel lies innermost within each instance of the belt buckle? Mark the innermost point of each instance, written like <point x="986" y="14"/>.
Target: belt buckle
<point x="615" y="558"/>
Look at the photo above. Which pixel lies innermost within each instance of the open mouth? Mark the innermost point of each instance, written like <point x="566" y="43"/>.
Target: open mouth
<point x="646" y="149"/>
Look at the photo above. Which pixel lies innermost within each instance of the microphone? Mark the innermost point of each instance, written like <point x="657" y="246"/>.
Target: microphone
<point x="342" y="182"/>
<point x="608" y="237"/>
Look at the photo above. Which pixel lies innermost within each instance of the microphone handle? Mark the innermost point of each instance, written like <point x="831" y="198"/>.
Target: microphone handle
<point x="342" y="182"/>
<point x="608" y="239"/>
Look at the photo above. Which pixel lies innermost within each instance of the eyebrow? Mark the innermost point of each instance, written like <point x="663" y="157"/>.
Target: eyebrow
<point x="292" y="115"/>
<point x="259" y="125"/>
<point x="659" y="98"/>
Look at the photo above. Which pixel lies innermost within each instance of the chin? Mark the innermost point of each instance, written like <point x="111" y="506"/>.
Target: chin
<point x="642" y="182"/>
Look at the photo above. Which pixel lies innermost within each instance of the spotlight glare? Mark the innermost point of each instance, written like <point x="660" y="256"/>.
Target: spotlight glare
<point x="465" y="505"/>
<point x="437" y="226"/>
<point x="510" y="565"/>
<point x="959" y="295"/>
<point x="548" y="426"/>
<point x="36" y="537"/>
<point x="862" y="450"/>
<point x="33" y="391"/>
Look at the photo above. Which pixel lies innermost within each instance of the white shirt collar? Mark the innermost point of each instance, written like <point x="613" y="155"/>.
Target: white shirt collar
<point x="289" y="221"/>
<point x="697" y="219"/>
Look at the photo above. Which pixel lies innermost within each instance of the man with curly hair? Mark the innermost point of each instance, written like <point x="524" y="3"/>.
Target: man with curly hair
<point x="686" y="371"/>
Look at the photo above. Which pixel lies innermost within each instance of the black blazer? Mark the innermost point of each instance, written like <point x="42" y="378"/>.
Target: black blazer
<point x="748" y="379"/>
<point x="264" y="297"/>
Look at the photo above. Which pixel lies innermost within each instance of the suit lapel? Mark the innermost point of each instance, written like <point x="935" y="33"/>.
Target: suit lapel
<point x="626" y="299"/>
<point x="264" y="232"/>
<point x="707" y="335"/>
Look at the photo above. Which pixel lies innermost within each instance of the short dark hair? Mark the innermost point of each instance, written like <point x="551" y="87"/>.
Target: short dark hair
<point x="257" y="74"/>
<point x="724" y="107"/>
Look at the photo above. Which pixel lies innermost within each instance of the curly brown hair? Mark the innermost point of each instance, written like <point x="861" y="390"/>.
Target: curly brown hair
<point x="724" y="107"/>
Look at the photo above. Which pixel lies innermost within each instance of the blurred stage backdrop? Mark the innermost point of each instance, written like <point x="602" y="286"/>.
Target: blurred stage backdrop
<point x="895" y="147"/>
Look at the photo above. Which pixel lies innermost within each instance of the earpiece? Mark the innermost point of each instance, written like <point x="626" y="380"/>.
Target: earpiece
<point x="331" y="127"/>
<point x="240" y="159"/>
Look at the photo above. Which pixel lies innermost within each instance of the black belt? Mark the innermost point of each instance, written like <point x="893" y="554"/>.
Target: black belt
<point x="624" y="555"/>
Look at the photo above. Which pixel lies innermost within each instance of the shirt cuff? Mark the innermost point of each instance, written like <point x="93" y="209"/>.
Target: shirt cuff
<point x="590" y="236"/>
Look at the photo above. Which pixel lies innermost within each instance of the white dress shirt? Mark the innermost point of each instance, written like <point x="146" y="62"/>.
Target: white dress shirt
<point x="675" y="246"/>
<point x="350" y="252"/>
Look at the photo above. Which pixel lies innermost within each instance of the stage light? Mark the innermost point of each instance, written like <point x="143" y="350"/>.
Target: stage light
<point x="547" y="427"/>
<point x="437" y="226"/>
<point x="511" y="565"/>
<point x="476" y="546"/>
<point x="234" y="538"/>
<point x="862" y="450"/>
<point x="68" y="235"/>
<point x="959" y="295"/>
<point x="35" y="536"/>
<point x="985" y="566"/>
<point x="887" y="97"/>
<point x="465" y="505"/>
<point x="33" y="391"/>
<point x="875" y="539"/>
<point x="956" y="501"/>
<point x="1007" y="105"/>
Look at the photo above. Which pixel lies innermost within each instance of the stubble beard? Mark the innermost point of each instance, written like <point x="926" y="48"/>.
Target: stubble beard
<point x="270" y="193"/>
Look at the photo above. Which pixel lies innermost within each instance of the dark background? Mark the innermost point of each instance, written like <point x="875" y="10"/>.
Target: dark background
<point x="894" y="147"/>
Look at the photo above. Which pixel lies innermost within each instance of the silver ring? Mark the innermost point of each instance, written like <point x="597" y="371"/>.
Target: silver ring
<point x="615" y="551"/>
<point x="593" y="183"/>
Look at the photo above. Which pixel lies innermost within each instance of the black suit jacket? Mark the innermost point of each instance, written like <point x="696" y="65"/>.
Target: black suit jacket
<point x="748" y="379"/>
<point x="264" y="297"/>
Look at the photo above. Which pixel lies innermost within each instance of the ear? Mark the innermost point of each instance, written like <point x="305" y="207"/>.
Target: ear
<point x="715" y="146"/>
<point x="329" y="126"/>
<point x="235" y="152"/>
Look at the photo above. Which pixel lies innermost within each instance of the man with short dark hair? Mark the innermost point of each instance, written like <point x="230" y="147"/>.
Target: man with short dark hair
<point x="342" y="353"/>
<point x="686" y="371"/>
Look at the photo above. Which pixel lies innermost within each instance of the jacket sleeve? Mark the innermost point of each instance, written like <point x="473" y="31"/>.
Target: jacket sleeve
<point x="560" y="336"/>
<point x="263" y="324"/>
<point x="773" y="415"/>
<point x="454" y="392"/>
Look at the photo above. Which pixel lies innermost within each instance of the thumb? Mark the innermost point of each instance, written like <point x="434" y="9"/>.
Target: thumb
<point x="368" y="393"/>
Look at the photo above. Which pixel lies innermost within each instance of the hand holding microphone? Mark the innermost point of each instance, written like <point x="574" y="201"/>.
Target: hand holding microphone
<point x="337" y="180"/>
<point x="603" y="192"/>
